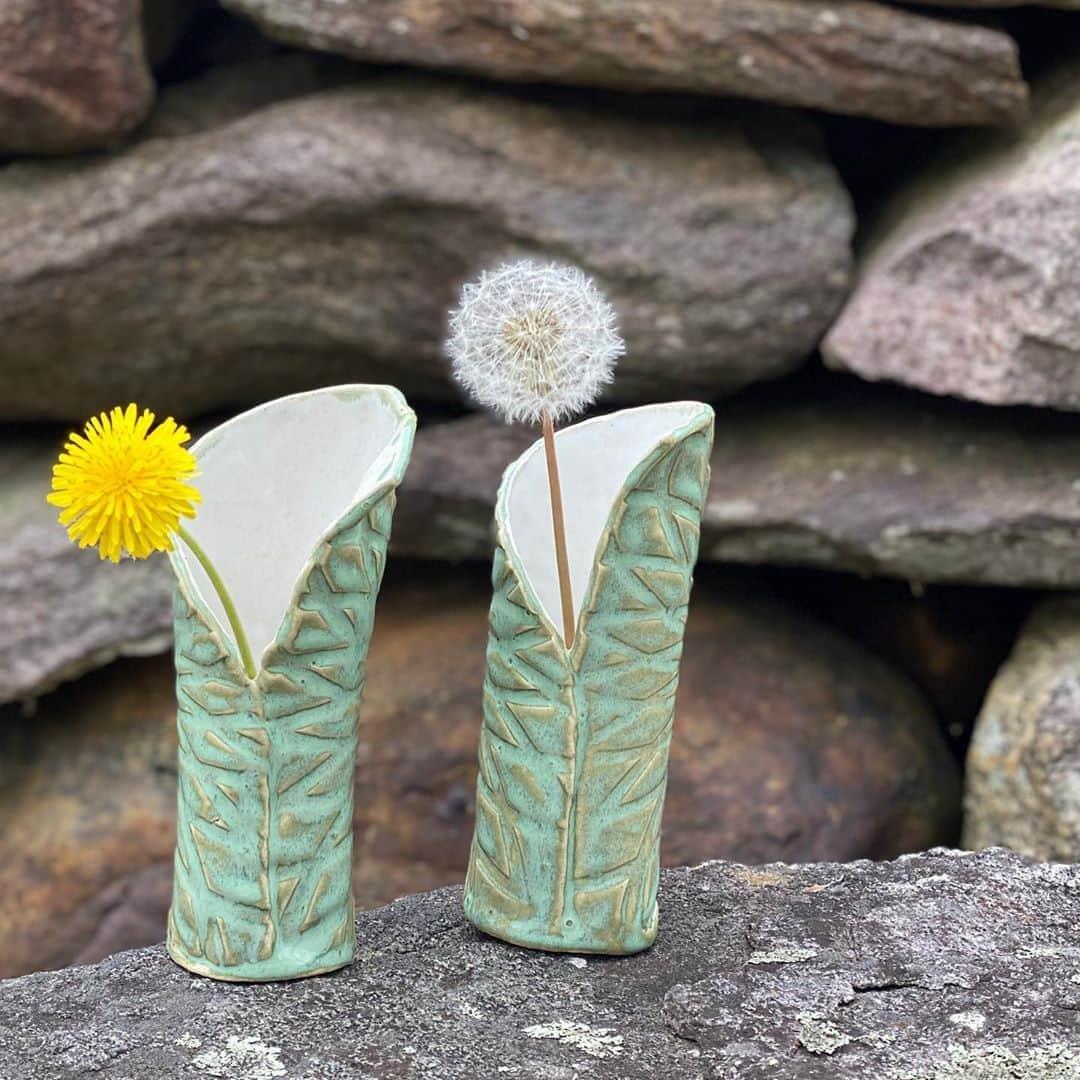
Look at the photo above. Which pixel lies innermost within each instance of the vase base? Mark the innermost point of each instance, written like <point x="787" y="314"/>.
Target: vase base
<point x="263" y="971"/>
<point x="532" y="937"/>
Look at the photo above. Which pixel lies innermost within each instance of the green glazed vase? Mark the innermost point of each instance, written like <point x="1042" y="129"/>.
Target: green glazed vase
<point x="298" y="497"/>
<point x="574" y="745"/>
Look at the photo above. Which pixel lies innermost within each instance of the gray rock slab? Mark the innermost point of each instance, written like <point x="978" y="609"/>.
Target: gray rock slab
<point x="847" y="56"/>
<point x="447" y="500"/>
<point x="940" y="966"/>
<point x="898" y="485"/>
<point x="253" y="246"/>
<point x="884" y="483"/>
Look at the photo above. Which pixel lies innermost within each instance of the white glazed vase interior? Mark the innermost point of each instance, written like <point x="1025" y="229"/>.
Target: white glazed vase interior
<point x="273" y="481"/>
<point x="595" y="458"/>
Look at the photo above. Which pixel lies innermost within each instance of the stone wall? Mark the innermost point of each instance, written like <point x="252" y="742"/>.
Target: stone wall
<point x="851" y="226"/>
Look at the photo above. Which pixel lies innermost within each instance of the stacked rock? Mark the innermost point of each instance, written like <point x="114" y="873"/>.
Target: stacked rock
<point x="203" y="208"/>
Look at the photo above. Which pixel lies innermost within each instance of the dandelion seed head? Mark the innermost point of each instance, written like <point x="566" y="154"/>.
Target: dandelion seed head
<point x="530" y="338"/>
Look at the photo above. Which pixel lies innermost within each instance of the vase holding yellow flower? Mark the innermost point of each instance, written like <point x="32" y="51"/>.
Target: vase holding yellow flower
<point x="288" y="509"/>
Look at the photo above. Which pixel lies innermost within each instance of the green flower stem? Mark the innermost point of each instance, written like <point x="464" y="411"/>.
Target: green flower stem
<point x="224" y="597"/>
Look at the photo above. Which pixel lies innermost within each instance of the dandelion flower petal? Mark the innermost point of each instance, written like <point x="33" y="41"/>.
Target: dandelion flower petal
<point x="121" y="485"/>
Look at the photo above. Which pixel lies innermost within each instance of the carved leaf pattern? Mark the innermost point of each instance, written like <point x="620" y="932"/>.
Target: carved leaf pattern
<point x="574" y="747"/>
<point x="262" y="883"/>
<point x="221" y="908"/>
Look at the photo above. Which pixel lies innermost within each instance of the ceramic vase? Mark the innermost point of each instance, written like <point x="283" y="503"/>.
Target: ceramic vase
<point x="574" y="744"/>
<point x="298" y="496"/>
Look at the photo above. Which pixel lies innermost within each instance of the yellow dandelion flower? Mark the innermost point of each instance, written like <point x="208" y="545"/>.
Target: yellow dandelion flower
<point x="121" y="486"/>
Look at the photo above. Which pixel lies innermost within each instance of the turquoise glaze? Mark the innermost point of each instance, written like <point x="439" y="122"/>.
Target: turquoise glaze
<point x="262" y="885"/>
<point x="574" y="746"/>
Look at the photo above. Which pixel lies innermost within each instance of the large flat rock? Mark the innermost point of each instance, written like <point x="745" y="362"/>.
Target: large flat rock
<point x="250" y="248"/>
<point x="791" y="741"/>
<point x="941" y="966"/>
<point x="847" y="56"/>
<point x="899" y="486"/>
<point x="876" y="483"/>
<point x="971" y="281"/>
<point x="63" y="611"/>
<point x="73" y="74"/>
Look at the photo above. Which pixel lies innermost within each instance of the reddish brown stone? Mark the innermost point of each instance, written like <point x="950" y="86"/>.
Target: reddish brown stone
<point x="73" y="74"/>
<point x="791" y="741"/>
<point x="418" y="733"/>
<point x="88" y="801"/>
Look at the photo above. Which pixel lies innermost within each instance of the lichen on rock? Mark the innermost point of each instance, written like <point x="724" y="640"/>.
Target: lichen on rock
<point x="596" y="1042"/>
<point x="820" y="1035"/>
<point x="1057" y="1062"/>
<point x="241" y="1058"/>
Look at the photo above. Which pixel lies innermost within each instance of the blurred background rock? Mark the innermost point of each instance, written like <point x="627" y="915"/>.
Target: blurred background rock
<point x="852" y="226"/>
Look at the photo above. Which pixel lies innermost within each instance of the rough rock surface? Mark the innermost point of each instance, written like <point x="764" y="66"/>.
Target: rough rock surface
<point x="972" y="285"/>
<point x="723" y="243"/>
<point x="846" y="56"/>
<point x="73" y="74"/>
<point x="941" y="966"/>
<point x="63" y="611"/>
<point x="886" y="483"/>
<point x="791" y="742"/>
<point x="1023" y="766"/>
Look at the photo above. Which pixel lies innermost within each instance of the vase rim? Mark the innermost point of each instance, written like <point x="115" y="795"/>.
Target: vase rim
<point x="688" y="416"/>
<point x="385" y="465"/>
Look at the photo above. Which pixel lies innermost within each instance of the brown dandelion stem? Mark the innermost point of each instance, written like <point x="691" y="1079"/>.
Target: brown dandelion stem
<point x="558" y="525"/>
<point x="226" y="600"/>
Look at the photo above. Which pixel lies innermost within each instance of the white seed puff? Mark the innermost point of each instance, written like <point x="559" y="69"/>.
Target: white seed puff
<point x="530" y="338"/>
